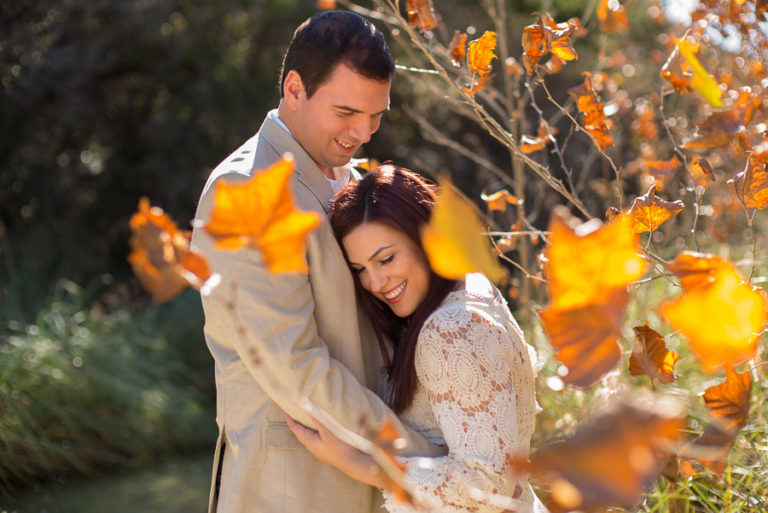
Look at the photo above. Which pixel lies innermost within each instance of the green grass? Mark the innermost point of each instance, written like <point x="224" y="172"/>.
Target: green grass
<point x="86" y="387"/>
<point x="743" y="486"/>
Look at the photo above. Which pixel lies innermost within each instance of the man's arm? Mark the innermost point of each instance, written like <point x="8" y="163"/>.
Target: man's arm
<point x="269" y="320"/>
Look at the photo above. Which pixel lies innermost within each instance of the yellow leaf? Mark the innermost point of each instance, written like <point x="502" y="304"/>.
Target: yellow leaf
<point x="722" y="318"/>
<point x="454" y="240"/>
<point x="650" y="211"/>
<point x="702" y="82"/>
<point x="481" y="54"/>
<point x="260" y="214"/>
<point x="590" y="261"/>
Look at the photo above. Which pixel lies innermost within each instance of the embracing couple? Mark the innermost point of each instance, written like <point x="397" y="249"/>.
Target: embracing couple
<point x="371" y="333"/>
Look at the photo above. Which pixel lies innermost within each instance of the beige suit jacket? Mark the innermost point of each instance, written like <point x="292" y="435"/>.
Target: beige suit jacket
<point x="311" y="337"/>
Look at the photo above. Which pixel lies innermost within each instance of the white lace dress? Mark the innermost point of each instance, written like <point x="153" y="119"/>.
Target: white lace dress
<point x="476" y="395"/>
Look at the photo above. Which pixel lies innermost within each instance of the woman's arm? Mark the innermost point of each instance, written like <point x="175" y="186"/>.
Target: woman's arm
<point x="326" y="447"/>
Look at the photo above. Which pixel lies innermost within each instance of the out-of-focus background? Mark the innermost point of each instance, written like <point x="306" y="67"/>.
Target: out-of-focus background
<point x="107" y="399"/>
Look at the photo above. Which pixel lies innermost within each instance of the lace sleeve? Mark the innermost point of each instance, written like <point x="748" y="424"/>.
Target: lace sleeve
<point x="479" y="381"/>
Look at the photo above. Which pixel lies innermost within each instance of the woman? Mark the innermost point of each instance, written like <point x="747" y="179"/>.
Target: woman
<point x="460" y="372"/>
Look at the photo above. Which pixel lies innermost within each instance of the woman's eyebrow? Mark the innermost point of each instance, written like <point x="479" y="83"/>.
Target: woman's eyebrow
<point x="379" y="251"/>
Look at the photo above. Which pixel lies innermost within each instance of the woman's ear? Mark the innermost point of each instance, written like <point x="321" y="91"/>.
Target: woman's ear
<point x="293" y="88"/>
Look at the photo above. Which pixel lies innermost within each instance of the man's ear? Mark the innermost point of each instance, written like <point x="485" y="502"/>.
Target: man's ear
<point x="293" y="88"/>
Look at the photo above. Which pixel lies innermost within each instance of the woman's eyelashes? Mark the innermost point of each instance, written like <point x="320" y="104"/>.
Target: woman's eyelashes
<point x="387" y="260"/>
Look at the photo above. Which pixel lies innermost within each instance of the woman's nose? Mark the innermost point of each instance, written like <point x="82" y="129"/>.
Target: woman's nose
<point x="378" y="281"/>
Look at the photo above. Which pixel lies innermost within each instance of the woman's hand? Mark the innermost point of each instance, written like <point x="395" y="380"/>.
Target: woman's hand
<point x="326" y="447"/>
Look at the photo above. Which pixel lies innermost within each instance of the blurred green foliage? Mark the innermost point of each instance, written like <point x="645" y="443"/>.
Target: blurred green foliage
<point x="83" y="389"/>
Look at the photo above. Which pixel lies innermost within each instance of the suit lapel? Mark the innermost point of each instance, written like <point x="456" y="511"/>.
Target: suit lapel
<point x="307" y="171"/>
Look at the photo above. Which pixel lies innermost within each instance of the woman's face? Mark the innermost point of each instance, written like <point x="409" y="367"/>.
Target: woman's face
<point x="389" y="265"/>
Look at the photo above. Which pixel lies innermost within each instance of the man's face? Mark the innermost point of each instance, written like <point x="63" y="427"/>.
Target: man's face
<point x="341" y="115"/>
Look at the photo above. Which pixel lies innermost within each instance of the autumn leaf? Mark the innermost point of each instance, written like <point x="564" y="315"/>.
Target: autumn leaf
<point x="609" y="462"/>
<point x="585" y="338"/>
<point x="702" y="172"/>
<point x="366" y="164"/>
<point x="388" y="442"/>
<point x="612" y="17"/>
<point x="719" y="313"/>
<point x="593" y="115"/>
<point x="662" y="171"/>
<point x="421" y="15"/>
<point x="478" y="84"/>
<point x="722" y="126"/>
<point x="480" y="54"/>
<point x="458" y="48"/>
<point x="546" y="36"/>
<point x="260" y="214"/>
<point x="728" y="404"/>
<point x="160" y="255"/>
<point x="650" y="211"/>
<point x="529" y="144"/>
<point x="326" y="4"/>
<point x="650" y="356"/>
<point x="454" y="239"/>
<point x="676" y="71"/>
<point x="589" y="267"/>
<point x="701" y="81"/>
<point x="589" y="261"/>
<point x="644" y="125"/>
<point x="751" y="185"/>
<point x="500" y="199"/>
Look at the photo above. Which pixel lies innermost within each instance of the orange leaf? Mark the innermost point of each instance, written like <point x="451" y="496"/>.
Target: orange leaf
<point x="585" y="337"/>
<point x="326" y="4"/>
<point x="366" y="164"/>
<point x="512" y="67"/>
<point x="644" y="125"/>
<point x="723" y="125"/>
<point x="702" y="172"/>
<point x="609" y="462"/>
<point x="529" y="144"/>
<point x="500" y="199"/>
<point x="388" y="442"/>
<point x="589" y="267"/>
<point x="728" y="403"/>
<point x="696" y="269"/>
<point x="593" y="116"/>
<point x="651" y="357"/>
<point x="260" y="214"/>
<point x="718" y="312"/>
<point x="612" y="16"/>
<point x="590" y="261"/>
<point x="458" y="48"/>
<point x="421" y="15"/>
<point x="481" y="54"/>
<point x="160" y="255"/>
<point x="547" y="36"/>
<point x="751" y="185"/>
<point x="478" y="84"/>
<point x="650" y="211"/>
<point x="662" y="171"/>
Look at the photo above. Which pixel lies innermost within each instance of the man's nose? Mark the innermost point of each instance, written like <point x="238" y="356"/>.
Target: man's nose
<point x="361" y="129"/>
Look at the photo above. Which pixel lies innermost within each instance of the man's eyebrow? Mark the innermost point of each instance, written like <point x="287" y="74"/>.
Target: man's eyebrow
<point x="357" y="111"/>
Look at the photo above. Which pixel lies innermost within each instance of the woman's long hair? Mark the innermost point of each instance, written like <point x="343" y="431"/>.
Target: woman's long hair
<point x="404" y="201"/>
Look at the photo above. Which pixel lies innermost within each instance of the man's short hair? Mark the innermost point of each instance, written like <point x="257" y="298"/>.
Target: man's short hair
<point x="333" y="37"/>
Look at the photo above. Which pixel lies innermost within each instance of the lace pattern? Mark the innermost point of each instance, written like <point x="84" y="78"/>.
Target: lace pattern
<point x="476" y="395"/>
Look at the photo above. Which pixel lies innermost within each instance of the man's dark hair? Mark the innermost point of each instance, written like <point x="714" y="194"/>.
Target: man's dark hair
<point x="333" y="37"/>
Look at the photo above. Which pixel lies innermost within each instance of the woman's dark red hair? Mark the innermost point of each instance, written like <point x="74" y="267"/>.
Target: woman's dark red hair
<point x="404" y="201"/>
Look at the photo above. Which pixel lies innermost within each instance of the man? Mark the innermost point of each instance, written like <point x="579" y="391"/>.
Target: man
<point x="335" y="86"/>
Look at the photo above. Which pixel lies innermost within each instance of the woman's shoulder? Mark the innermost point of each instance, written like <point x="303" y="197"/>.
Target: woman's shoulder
<point x="475" y="301"/>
